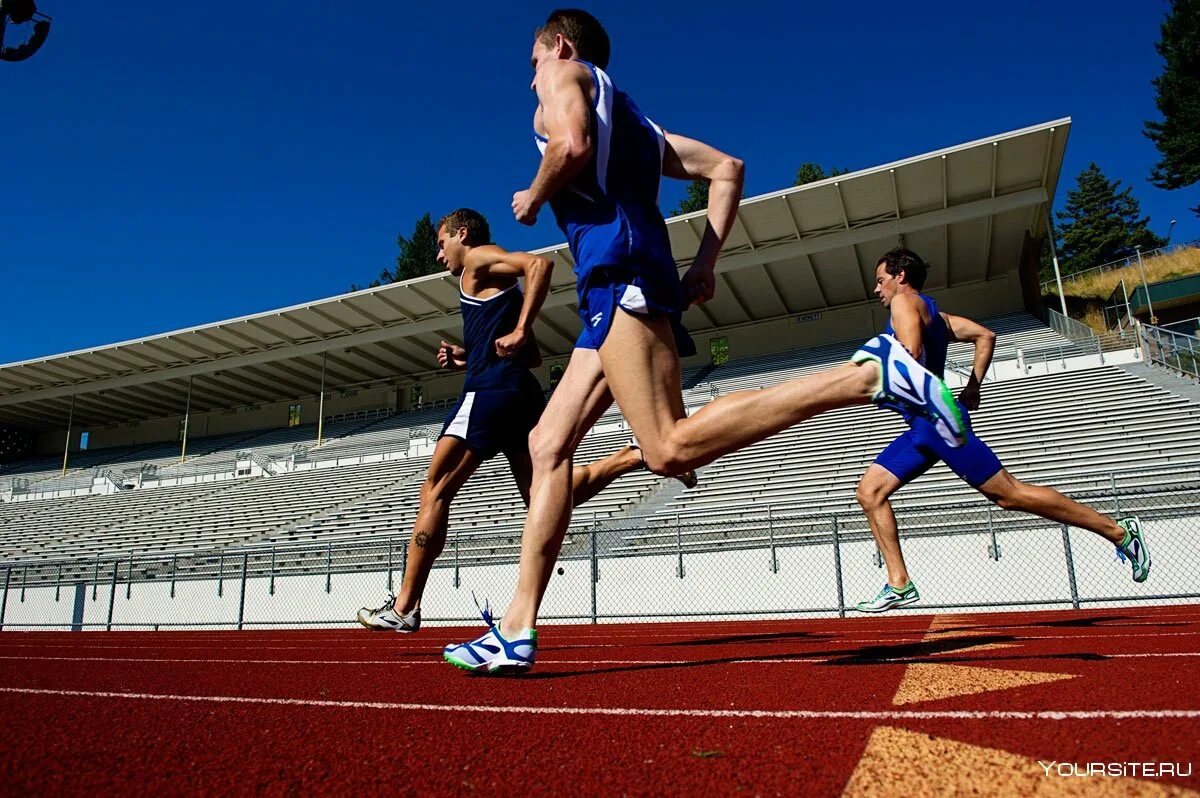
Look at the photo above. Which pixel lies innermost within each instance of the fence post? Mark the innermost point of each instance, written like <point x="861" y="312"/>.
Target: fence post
<point x="129" y="582"/>
<point x="457" y="573"/>
<point x="1066" y="536"/>
<point x="174" y="570"/>
<point x="595" y="574"/>
<point x="221" y="575"/>
<point x="391" y="545"/>
<point x="271" y="587"/>
<point x="837" y="568"/>
<point x="994" y="550"/>
<point x="112" y="596"/>
<point x="771" y="532"/>
<point x="403" y="561"/>
<point x="328" y="567"/>
<point x="678" y="548"/>
<point x="1112" y="481"/>
<point x="96" y="577"/>
<point x="24" y="582"/>
<point x="4" y="601"/>
<point x="58" y="583"/>
<point x="242" y="600"/>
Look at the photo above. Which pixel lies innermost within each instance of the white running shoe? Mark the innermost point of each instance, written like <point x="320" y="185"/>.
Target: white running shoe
<point x="906" y="385"/>
<point x="386" y="619"/>
<point x="491" y="652"/>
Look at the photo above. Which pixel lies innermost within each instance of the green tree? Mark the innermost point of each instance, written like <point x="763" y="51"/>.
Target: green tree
<point x="418" y="256"/>
<point x="1100" y="223"/>
<point x="695" y="198"/>
<point x="810" y="172"/>
<point x="1177" y="136"/>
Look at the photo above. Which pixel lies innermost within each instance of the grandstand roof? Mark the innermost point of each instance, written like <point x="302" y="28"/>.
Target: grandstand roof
<point x="799" y="250"/>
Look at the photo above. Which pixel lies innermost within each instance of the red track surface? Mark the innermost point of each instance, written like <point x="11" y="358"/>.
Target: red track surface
<point x="639" y="709"/>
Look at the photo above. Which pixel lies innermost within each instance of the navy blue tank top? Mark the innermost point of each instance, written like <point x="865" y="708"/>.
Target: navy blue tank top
<point x="935" y="338"/>
<point x="485" y="320"/>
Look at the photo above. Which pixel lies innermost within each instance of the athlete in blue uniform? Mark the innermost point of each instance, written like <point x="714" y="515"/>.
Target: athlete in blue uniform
<point x="602" y="162"/>
<point x="927" y="332"/>
<point x="500" y="404"/>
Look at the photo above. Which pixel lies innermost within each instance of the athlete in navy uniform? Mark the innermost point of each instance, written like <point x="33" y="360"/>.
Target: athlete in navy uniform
<point x="927" y="332"/>
<point x="501" y="400"/>
<point x="602" y="162"/>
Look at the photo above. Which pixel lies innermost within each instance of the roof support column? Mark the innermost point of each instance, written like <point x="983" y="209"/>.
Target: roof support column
<point x="187" y="417"/>
<point x="321" y="403"/>
<point x="67" y="443"/>
<point x="1054" y="257"/>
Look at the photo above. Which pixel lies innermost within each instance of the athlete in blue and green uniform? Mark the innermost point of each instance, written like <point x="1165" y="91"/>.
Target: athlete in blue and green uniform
<point x="926" y="332"/>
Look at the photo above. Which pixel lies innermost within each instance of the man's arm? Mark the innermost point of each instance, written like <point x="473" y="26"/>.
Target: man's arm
<point x="562" y="88"/>
<point x="688" y="159"/>
<point x="963" y="329"/>
<point x="494" y="261"/>
<point x="906" y="321"/>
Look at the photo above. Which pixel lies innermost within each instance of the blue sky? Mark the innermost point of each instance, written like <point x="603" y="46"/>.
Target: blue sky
<point x="170" y="168"/>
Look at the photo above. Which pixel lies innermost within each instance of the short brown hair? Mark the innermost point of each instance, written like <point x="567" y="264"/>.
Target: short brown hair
<point x="478" y="231"/>
<point x="583" y="31"/>
<point x="905" y="260"/>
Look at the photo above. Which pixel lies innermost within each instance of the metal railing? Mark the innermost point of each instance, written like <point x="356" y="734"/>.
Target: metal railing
<point x="748" y="562"/>
<point x="1172" y="350"/>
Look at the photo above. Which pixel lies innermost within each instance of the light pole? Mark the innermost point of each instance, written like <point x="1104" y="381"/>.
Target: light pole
<point x="1145" y="287"/>
<point x="1169" y="229"/>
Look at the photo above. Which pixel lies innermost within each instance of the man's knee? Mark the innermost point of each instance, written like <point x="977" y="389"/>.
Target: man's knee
<point x="1006" y="496"/>
<point x="547" y="450"/>
<point x="665" y="459"/>
<point x="870" y="493"/>
<point x="437" y="489"/>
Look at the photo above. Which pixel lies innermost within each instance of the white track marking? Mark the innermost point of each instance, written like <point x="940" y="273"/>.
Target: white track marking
<point x="805" y="714"/>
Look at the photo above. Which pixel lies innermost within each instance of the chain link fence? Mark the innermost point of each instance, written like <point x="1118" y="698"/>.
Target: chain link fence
<point x="749" y="562"/>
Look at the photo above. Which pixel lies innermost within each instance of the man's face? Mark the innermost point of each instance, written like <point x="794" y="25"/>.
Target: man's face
<point x="543" y="53"/>
<point x="451" y="249"/>
<point x="886" y="285"/>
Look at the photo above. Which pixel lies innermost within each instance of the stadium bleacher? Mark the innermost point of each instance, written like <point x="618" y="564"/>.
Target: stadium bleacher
<point x="363" y="481"/>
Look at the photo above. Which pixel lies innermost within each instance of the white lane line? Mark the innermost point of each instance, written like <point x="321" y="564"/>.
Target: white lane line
<point x="807" y="714"/>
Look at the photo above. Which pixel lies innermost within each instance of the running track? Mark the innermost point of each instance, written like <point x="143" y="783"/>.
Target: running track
<point x="823" y="707"/>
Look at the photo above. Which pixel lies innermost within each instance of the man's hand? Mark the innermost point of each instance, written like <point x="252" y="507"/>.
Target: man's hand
<point x="510" y="344"/>
<point x="699" y="284"/>
<point x="969" y="395"/>
<point x="525" y="210"/>
<point x="451" y="357"/>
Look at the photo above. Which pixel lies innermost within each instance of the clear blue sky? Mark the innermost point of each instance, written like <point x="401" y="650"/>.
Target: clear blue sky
<point x="166" y="168"/>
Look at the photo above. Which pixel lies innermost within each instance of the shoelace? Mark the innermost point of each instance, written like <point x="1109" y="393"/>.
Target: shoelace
<point x="387" y="605"/>
<point x="485" y="611"/>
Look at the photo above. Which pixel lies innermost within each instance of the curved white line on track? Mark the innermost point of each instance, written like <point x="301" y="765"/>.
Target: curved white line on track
<point x="805" y="714"/>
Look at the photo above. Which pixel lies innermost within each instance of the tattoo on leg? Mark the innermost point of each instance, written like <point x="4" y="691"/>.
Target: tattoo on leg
<point x="421" y="539"/>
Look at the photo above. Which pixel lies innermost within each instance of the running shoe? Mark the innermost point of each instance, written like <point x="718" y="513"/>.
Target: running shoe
<point x="1133" y="548"/>
<point x="491" y="652"/>
<point x="385" y="618"/>
<point x="890" y="598"/>
<point x="906" y="385"/>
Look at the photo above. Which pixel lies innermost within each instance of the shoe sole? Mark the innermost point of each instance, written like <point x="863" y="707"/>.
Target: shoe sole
<point x="892" y="606"/>
<point x="490" y="668"/>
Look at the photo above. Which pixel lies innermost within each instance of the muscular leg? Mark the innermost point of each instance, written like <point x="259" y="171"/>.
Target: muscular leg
<point x="452" y="465"/>
<point x="586" y="480"/>
<point x="874" y="490"/>
<point x="641" y="367"/>
<point x="579" y="400"/>
<point x="1011" y="494"/>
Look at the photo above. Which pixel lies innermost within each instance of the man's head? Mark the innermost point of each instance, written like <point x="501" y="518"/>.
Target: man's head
<point x="458" y="231"/>
<point x="898" y="271"/>
<point x="571" y="33"/>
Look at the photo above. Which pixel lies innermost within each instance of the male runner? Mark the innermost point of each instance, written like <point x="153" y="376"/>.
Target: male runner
<point x="500" y="404"/>
<point x="926" y="332"/>
<point x="602" y="161"/>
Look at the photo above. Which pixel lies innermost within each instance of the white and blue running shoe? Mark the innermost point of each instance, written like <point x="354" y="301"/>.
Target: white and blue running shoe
<point x="907" y="386"/>
<point x="1134" y="549"/>
<point x="890" y="598"/>
<point x="492" y="652"/>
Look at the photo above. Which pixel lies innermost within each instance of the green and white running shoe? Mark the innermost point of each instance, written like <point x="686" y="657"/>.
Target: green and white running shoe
<point x="890" y="598"/>
<point x="1133" y="548"/>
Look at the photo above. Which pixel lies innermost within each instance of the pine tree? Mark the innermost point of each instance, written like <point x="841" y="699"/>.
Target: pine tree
<point x="695" y="198"/>
<point x="418" y="256"/>
<point x="1177" y="136"/>
<point x="810" y="172"/>
<point x="1101" y="223"/>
